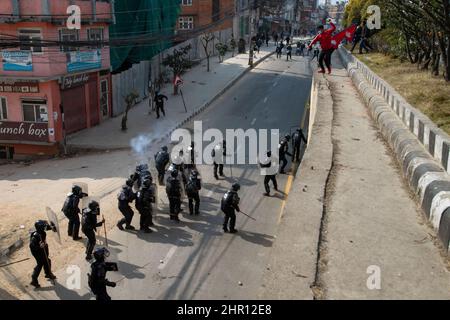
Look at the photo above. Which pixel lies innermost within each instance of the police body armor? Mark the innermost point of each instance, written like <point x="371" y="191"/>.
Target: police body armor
<point x="161" y="159"/>
<point x="145" y="198"/>
<point x="173" y="187"/>
<point x="97" y="278"/>
<point x="193" y="187"/>
<point x="70" y="207"/>
<point x="35" y="241"/>
<point x="89" y="220"/>
<point x="283" y="147"/>
<point x="229" y="201"/>
<point x="125" y="195"/>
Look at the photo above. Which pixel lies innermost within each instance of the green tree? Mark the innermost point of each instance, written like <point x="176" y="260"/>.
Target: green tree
<point x="178" y="62"/>
<point x="130" y="101"/>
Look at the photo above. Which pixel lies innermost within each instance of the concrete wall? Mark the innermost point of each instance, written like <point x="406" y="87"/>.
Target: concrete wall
<point x="134" y="79"/>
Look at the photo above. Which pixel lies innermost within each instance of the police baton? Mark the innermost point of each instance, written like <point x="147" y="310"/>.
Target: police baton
<point x="247" y="215"/>
<point x="104" y="228"/>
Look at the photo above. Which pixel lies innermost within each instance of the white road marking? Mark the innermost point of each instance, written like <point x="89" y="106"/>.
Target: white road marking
<point x="209" y="194"/>
<point x="275" y="84"/>
<point x="265" y="99"/>
<point x="167" y="258"/>
<point x="253" y="122"/>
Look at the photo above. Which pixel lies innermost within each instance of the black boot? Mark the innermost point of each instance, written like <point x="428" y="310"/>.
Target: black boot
<point x="50" y="276"/>
<point x="34" y="282"/>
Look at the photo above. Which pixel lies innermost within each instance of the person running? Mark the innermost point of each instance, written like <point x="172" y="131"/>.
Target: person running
<point x="324" y="37"/>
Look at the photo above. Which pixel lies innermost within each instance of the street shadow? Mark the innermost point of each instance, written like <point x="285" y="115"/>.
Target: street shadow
<point x="130" y="271"/>
<point x="65" y="294"/>
<point x="216" y="187"/>
<point x="167" y="231"/>
<point x="256" y="238"/>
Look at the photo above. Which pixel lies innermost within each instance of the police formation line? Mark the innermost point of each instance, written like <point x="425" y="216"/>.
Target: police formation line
<point x="177" y="182"/>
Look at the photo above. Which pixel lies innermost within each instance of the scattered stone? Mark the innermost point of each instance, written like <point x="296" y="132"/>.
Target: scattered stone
<point x="312" y="167"/>
<point x="161" y="261"/>
<point x="240" y="283"/>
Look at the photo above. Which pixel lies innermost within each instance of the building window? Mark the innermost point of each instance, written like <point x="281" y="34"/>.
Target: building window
<point x="215" y="10"/>
<point x="35" y="111"/>
<point x="186" y="2"/>
<point x="30" y="40"/>
<point x="3" y="109"/>
<point x="186" y="23"/>
<point x="66" y="35"/>
<point x="104" y="97"/>
<point x="95" y="35"/>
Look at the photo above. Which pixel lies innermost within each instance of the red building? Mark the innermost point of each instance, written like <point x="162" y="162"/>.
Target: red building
<point x="39" y="83"/>
<point x="199" y="13"/>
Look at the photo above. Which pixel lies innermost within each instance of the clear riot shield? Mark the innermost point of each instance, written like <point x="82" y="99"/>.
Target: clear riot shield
<point x="52" y="218"/>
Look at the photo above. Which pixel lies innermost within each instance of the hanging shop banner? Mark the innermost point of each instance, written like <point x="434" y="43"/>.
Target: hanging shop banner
<point x="24" y="131"/>
<point x="69" y="82"/>
<point x="17" y="61"/>
<point x="84" y="60"/>
<point x="20" y="87"/>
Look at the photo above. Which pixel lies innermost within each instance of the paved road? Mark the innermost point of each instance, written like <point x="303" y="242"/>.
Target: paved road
<point x="194" y="259"/>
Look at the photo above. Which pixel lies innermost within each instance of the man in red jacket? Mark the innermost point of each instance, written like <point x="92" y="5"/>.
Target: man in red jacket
<point x="324" y="37"/>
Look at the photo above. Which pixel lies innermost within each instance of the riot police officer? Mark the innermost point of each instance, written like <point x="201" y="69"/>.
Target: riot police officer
<point x="178" y="164"/>
<point x="39" y="250"/>
<point x="218" y="154"/>
<point x="89" y="226"/>
<point x="145" y="198"/>
<point x="283" y="151"/>
<point x="141" y="173"/>
<point x="193" y="187"/>
<point x="297" y="138"/>
<point x="268" y="175"/>
<point x="71" y="211"/>
<point x="173" y="190"/>
<point x="125" y="197"/>
<point x="161" y="160"/>
<point x="97" y="278"/>
<point x="229" y="205"/>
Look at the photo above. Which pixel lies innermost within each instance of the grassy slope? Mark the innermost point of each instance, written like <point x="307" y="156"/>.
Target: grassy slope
<point x="429" y="94"/>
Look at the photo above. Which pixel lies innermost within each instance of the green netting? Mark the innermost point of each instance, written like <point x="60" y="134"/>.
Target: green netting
<point x="145" y="18"/>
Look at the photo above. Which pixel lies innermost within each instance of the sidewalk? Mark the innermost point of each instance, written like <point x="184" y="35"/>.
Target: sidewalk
<point x="200" y="89"/>
<point x="371" y="220"/>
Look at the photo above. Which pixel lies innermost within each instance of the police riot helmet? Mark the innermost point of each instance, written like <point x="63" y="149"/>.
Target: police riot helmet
<point x="164" y="148"/>
<point x="101" y="253"/>
<point x="40" y="225"/>
<point x="236" y="187"/>
<point x="94" y="206"/>
<point x="269" y="153"/>
<point x="147" y="183"/>
<point x="174" y="173"/>
<point x="76" y="190"/>
<point x="194" y="173"/>
<point x="129" y="182"/>
<point x="287" y="137"/>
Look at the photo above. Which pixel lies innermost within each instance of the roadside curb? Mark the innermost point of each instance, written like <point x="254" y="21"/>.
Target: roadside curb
<point x="421" y="148"/>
